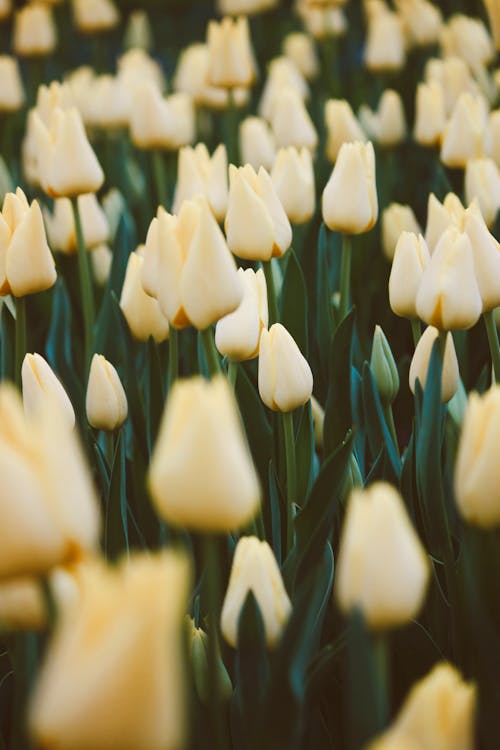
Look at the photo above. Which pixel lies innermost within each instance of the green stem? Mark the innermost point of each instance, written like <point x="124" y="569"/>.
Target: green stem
<point x="232" y="372"/>
<point x="216" y="705"/>
<point x="86" y="290"/>
<point x="272" y="302"/>
<point x="491" y="331"/>
<point x="160" y="176"/>
<point x="380" y="656"/>
<point x="389" y="416"/>
<point x="173" y="357"/>
<point x="231" y="128"/>
<point x="212" y="356"/>
<point x="291" y="477"/>
<point x="416" y="331"/>
<point x="20" y="337"/>
<point x="345" y="276"/>
<point x="110" y="447"/>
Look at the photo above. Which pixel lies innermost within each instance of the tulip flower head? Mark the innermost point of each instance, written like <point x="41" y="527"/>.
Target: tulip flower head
<point x="237" y="335"/>
<point x="39" y="383"/>
<point x="285" y="378"/>
<point x="419" y="367"/>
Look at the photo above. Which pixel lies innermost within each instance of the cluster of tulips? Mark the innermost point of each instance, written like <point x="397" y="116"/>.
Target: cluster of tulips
<point x="194" y="548"/>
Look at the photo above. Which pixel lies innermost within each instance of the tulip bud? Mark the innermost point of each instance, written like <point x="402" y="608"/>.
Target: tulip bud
<point x="135" y="695"/>
<point x="255" y="569"/>
<point x="397" y="219"/>
<point x="440" y="216"/>
<point x="342" y="127"/>
<point x="199" y="649"/>
<point x="67" y="164"/>
<point x="110" y="103"/>
<point x="318" y="417"/>
<point x="257" y="226"/>
<point x="486" y="251"/>
<point x="300" y="49"/>
<point x="384" y="368"/>
<point x="199" y="173"/>
<point x="282" y="74"/>
<point x="468" y="39"/>
<point x="191" y="78"/>
<point x="482" y="181"/>
<point x="454" y="76"/>
<point x="382" y="567"/>
<point x="493" y="11"/>
<point x="26" y="264"/>
<point x="39" y="383"/>
<point x="448" y="295"/>
<point x="257" y="146"/>
<point x="477" y="466"/>
<point x="11" y="85"/>
<point x="161" y="123"/>
<point x="135" y="67"/>
<point x="421" y="359"/>
<point x="106" y="402"/>
<point x="430" y="114"/>
<point x="95" y="16"/>
<point x="35" y="33"/>
<point x="293" y="179"/>
<point x="237" y="335"/>
<point x="201" y="474"/>
<point x="387" y="126"/>
<point x="230" y="55"/>
<point x="410" y="259"/>
<point x="350" y="203"/>
<point x="22" y="605"/>
<point x="285" y="378"/>
<point x="385" y="43"/>
<point x="422" y="21"/>
<point x="61" y="224"/>
<point x="138" y="33"/>
<point x="465" y="135"/>
<point x="142" y="312"/>
<point x="291" y="123"/>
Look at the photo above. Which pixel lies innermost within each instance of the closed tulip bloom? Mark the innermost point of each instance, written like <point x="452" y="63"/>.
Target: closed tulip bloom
<point x="342" y="127"/>
<point x="382" y="567"/>
<point x="106" y="402"/>
<point x="477" y="468"/>
<point x="135" y="67"/>
<point x="285" y="378"/>
<point x="257" y="144"/>
<point x="482" y="181"/>
<point x="199" y="648"/>
<point x="257" y="226"/>
<point x="94" y="16"/>
<point x="39" y="383"/>
<point x="468" y="39"/>
<point x="454" y="76"/>
<point x="26" y="264"/>
<point x="493" y="10"/>
<point x="421" y="359"/>
<point x="282" y="73"/>
<point x="300" y="49"/>
<point x="198" y="172"/>
<point x="291" y="123"/>
<point x="323" y="22"/>
<point x="422" y="21"/>
<point x="201" y="474"/>
<point x="11" y="85"/>
<point x="110" y="103"/>
<point x="350" y="203"/>
<point x="396" y="219"/>
<point x="390" y="123"/>
<point x="255" y="569"/>
<point x="230" y="55"/>
<point x="42" y="524"/>
<point x="411" y="257"/>
<point x="430" y="114"/>
<point x="448" y="295"/>
<point x="101" y="261"/>
<point x="61" y="224"/>
<point x="142" y="312"/>
<point x="385" y="43"/>
<point x="158" y="122"/>
<point x="133" y="685"/>
<point x="35" y="33"/>
<point x="191" y="78"/>
<point x="486" y="251"/>
<point x="440" y="216"/>
<point x="384" y="368"/>
<point x="22" y="606"/>
<point x="466" y="134"/>
<point x="67" y="164"/>
<point x="237" y="335"/>
<point x="293" y="179"/>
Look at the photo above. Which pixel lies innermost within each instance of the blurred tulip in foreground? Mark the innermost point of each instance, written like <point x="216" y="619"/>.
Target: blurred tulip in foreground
<point x="39" y="383"/>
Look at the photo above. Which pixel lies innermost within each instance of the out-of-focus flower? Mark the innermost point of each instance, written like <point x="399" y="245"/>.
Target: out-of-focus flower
<point x="382" y="568"/>
<point x="285" y="378"/>
<point x="201" y="474"/>
<point x="199" y="653"/>
<point x="494" y="127"/>
<point x="493" y="10"/>
<point x="11" y="85"/>
<point x="22" y="605"/>
<point x="442" y="215"/>
<point x="35" y="33"/>
<point x="237" y="335"/>
<point x="133" y="685"/>
<point x="26" y="263"/>
<point x="322" y="21"/>
<point x="300" y="49"/>
<point x="466" y="134"/>
<point x="135" y="67"/>
<point x="257" y="226"/>
<point x="421" y="359"/>
<point x="422" y="21"/>
<point x="387" y="126"/>
<point x="138" y="33"/>
<point x="468" y="39"/>
<point x="410" y="259"/>
<point x="454" y="76"/>
<point x="142" y="312"/>
<point x="101" y="261"/>
<point x="255" y="569"/>
<point x="430" y="114"/>
<point x="61" y="224"/>
<point x="384" y="367"/>
<point x="477" y="467"/>
<point x="230" y="56"/>
<point x="191" y="78"/>
<point x="482" y="181"/>
<point x="385" y="43"/>
<point x="244" y="7"/>
<point x="110" y="103"/>
<point x="199" y="173"/>
<point x="105" y="402"/>
<point x="95" y="16"/>
<point x="350" y="203"/>
<point x="158" y="122"/>
<point x="40" y="383"/>
<point x="293" y="179"/>
<point x="5" y="9"/>
<point x="486" y="252"/>
<point x="291" y="123"/>
<point x="342" y="127"/>
<point x="282" y="73"/>
<point x="257" y="144"/>
<point x="396" y="219"/>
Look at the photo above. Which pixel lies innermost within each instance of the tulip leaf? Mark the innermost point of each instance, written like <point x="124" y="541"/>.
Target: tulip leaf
<point x="7" y="338"/>
<point x="116" y="525"/>
<point x="59" y="346"/>
<point x="377" y="430"/>
<point x="256" y="424"/>
<point x="304" y="453"/>
<point x="338" y="410"/>
<point x="324" y="310"/>
<point x="274" y="506"/>
<point x="154" y="392"/>
<point x="294" y="303"/>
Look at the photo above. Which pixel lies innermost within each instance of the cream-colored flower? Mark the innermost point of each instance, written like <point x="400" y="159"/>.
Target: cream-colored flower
<point x="237" y="335"/>
<point x="342" y="127"/>
<point x="396" y="219"/>
<point x="11" y="85"/>
<point x="230" y="56"/>
<point x="421" y="359"/>
<point x="61" y="224"/>
<point x="285" y="377"/>
<point x="158" y="122"/>
<point x="35" y="33"/>
<point x="411" y="257"/>
<point x="106" y="402"/>
<point x="291" y="123"/>
<point x="300" y="49"/>
<point x="466" y="134"/>
<point x="200" y="173"/>
<point x="142" y="312"/>
<point x="40" y="383"/>
<point x="385" y="42"/>
<point x="430" y="114"/>
<point x="94" y="16"/>
<point x="257" y="144"/>
<point x="293" y="179"/>
<point x="482" y="181"/>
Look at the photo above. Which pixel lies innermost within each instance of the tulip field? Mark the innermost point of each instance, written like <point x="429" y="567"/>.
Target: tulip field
<point x="249" y="375"/>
